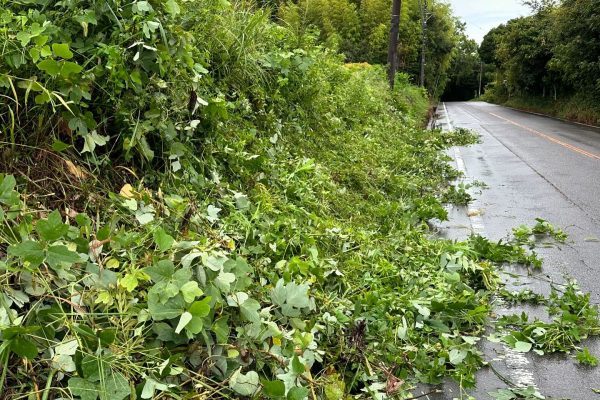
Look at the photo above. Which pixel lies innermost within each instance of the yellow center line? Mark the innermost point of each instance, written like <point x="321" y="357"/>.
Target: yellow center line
<point x="551" y="138"/>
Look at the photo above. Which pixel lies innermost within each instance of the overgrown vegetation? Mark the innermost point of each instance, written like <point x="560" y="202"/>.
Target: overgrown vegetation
<point x="360" y="30"/>
<point x="545" y="63"/>
<point x="198" y="202"/>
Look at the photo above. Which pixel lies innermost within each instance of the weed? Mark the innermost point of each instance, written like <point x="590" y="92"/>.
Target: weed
<point x="584" y="357"/>
<point x="575" y="319"/>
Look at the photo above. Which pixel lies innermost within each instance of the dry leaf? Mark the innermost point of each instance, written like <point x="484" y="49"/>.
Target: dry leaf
<point x="127" y="191"/>
<point x="393" y="385"/>
<point x="75" y="170"/>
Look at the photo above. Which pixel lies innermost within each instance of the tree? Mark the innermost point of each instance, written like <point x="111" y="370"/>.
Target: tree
<point x="441" y="41"/>
<point x="489" y="45"/>
<point x="577" y="50"/>
<point x="393" y="42"/>
<point x="362" y="30"/>
<point x="464" y="73"/>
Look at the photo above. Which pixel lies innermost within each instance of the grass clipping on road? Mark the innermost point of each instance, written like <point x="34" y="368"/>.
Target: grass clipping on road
<point x="223" y="221"/>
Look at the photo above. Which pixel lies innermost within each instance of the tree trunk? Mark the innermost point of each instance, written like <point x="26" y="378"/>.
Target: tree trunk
<point x="423" y="4"/>
<point x="393" y="43"/>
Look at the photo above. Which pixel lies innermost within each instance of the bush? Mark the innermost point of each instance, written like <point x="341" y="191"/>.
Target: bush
<point x="268" y="237"/>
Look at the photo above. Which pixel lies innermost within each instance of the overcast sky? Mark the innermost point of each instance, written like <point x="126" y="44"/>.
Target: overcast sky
<point x="483" y="15"/>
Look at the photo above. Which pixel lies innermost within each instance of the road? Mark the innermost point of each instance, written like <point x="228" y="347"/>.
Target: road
<point x="534" y="167"/>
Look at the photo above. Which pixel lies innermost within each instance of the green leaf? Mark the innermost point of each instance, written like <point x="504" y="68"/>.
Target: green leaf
<point x="68" y="68"/>
<point x="49" y="66"/>
<point x="150" y="387"/>
<point x="503" y="394"/>
<point x="297" y="393"/>
<point x="34" y="30"/>
<point x="59" y="146"/>
<point x="59" y="255"/>
<point x="136" y="77"/>
<point x="92" y="367"/>
<point x="212" y="213"/>
<point x="140" y="7"/>
<point x="67" y="347"/>
<point x="215" y="262"/>
<point x="274" y="388"/>
<point x="116" y="387"/>
<point x="144" y="148"/>
<point x="62" y="50"/>
<point x="249" y="310"/>
<point x="586" y="358"/>
<point x="185" y="318"/>
<point x="105" y="382"/>
<point x="522" y="347"/>
<point x="172" y="7"/>
<point x="163" y="240"/>
<point x="244" y="384"/>
<point x="297" y="367"/>
<point x="190" y="291"/>
<point x="131" y="204"/>
<point x="129" y="282"/>
<point x="195" y="326"/>
<point x="198" y="310"/>
<point x="107" y="336"/>
<point x="221" y="329"/>
<point x="52" y="228"/>
<point x="457" y="356"/>
<point x="161" y="271"/>
<point x="172" y="308"/>
<point x="224" y="280"/>
<point x="335" y="387"/>
<point x="42" y="98"/>
<point x="83" y="388"/>
<point x="91" y="140"/>
<point x="291" y="297"/>
<point x="29" y="251"/>
<point x="24" y="37"/>
<point x="168" y="281"/>
<point x="241" y="201"/>
<point x="8" y="195"/>
<point x="23" y="347"/>
<point x="64" y="363"/>
<point x="145" y="215"/>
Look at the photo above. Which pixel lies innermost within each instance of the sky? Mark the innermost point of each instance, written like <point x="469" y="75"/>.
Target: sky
<point x="483" y="15"/>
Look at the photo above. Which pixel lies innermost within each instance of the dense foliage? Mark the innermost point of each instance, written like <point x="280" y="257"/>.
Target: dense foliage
<point x="548" y="60"/>
<point x="467" y="71"/>
<point x="197" y="202"/>
<point x="360" y="30"/>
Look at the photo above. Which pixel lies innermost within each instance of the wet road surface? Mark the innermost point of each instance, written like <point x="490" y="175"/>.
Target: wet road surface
<point x="534" y="167"/>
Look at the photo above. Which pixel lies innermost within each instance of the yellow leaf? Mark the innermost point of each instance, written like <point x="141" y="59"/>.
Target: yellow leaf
<point x="232" y="353"/>
<point x="112" y="263"/>
<point x="127" y="191"/>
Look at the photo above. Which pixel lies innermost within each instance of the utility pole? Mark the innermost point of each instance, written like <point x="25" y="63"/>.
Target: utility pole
<point x="393" y="43"/>
<point x="423" y="4"/>
<point x="480" y="78"/>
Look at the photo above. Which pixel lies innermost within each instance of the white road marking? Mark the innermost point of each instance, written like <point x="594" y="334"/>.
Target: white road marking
<point x="517" y="363"/>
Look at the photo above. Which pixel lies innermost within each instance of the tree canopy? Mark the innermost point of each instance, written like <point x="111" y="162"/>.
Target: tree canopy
<point x="554" y="51"/>
<point x="360" y="31"/>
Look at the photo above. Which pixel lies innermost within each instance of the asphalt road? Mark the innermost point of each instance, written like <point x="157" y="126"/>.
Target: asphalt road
<point x="534" y="167"/>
